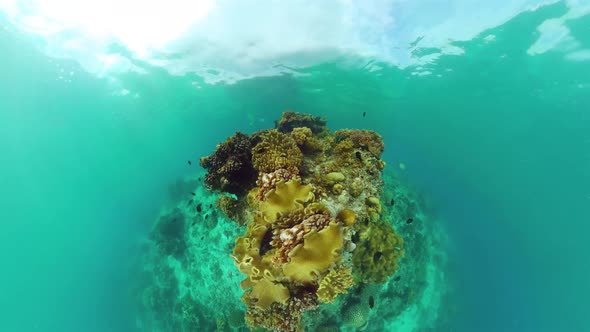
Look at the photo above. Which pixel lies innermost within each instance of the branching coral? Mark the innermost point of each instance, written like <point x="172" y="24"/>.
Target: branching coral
<point x="230" y="166"/>
<point x="275" y="150"/>
<point x="377" y="252"/>
<point x="335" y="282"/>
<point x="301" y="135"/>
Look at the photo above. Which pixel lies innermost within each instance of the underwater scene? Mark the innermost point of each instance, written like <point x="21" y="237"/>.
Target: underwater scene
<point x="338" y="165"/>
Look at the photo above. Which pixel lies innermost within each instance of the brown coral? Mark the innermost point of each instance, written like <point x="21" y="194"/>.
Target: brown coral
<point x="301" y="135"/>
<point x="274" y="151"/>
<point x="291" y="120"/>
<point x="362" y="139"/>
<point x="281" y="317"/>
<point x="229" y="168"/>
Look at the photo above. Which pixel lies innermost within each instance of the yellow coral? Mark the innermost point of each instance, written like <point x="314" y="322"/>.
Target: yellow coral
<point x="301" y="135"/>
<point x="377" y="253"/>
<point x="315" y="255"/>
<point x="334" y="283"/>
<point x="276" y="150"/>
<point x="347" y="217"/>
<point x="288" y="196"/>
<point x="247" y="255"/>
<point x="334" y="177"/>
<point x="267" y="292"/>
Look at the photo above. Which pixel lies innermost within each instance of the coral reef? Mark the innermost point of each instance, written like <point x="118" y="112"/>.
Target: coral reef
<point x="302" y="220"/>
<point x="230" y="166"/>
<point x="312" y="241"/>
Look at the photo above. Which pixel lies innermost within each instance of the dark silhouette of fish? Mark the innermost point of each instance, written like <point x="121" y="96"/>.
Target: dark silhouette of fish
<point x="364" y="114"/>
<point x="190" y="202"/>
<point x="409" y="221"/>
<point x="397" y="278"/>
<point x="193" y="194"/>
<point x="190" y="162"/>
<point x="199" y="208"/>
<point x="392" y="202"/>
<point x="371" y="302"/>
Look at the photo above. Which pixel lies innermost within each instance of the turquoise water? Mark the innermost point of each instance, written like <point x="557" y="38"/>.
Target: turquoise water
<point x="495" y="137"/>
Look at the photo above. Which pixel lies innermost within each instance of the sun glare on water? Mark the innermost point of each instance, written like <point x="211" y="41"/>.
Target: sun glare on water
<point x="142" y="26"/>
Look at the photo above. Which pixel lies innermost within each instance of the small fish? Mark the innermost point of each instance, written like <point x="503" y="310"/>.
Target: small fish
<point x="210" y="205"/>
<point x="364" y="114"/>
<point x="392" y="203"/>
<point x="202" y="237"/>
<point x="206" y="216"/>
<point x="190" y="202"/>
<point x="409" y="221"/>
<point x="371" y="302"/>
<point x="193" y="194"/>
<point x="358" y="156"/>
<point x="377" y="256"/>
<point x="355" y="238"/>
<point x="397" y="278"/>
<point x="190" y="162"/>
<point x="199" y="208"/>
